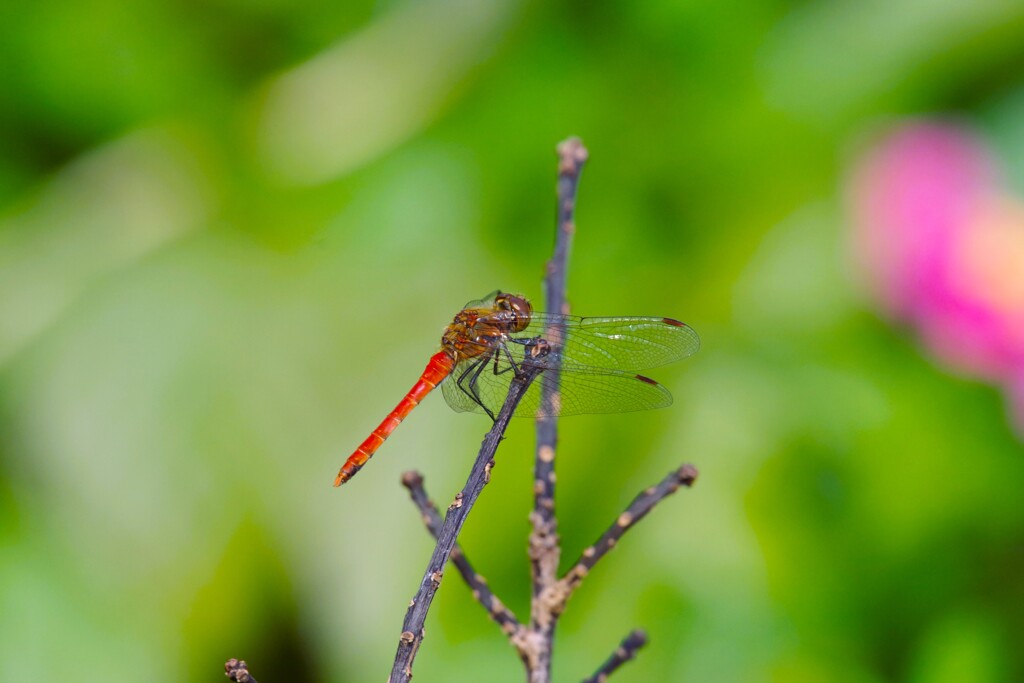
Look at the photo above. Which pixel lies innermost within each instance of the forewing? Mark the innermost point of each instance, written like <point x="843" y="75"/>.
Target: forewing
<point x="627" y="344"/>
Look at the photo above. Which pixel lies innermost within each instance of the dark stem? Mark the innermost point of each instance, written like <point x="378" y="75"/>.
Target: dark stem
<point x="544" y="543"/>
<point x="237" y="670"/>
<point x="637" y="510"/>
<point x="482" y="592"/>
<point x="412" y="627"/>
<point x="626" y="651"/>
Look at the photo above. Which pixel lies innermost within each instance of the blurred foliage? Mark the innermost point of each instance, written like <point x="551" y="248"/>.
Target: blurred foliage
<point x="232" y="232"/>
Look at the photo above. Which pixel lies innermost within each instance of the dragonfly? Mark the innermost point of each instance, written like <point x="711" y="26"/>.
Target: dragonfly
<point x="595" y="362"/>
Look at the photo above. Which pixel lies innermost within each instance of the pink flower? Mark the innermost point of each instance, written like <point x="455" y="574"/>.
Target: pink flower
<point x="940" y="243"/>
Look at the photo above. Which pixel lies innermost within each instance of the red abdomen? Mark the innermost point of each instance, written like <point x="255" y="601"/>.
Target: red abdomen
<point x="437" y="369"/>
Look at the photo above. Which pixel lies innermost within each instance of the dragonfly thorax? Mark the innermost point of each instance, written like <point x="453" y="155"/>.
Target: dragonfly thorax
<point x="479" y="330"/>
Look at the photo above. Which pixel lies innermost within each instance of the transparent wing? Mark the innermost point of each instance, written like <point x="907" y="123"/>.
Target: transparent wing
<point x="621" y="343"/>
<point x="484" y="381"/>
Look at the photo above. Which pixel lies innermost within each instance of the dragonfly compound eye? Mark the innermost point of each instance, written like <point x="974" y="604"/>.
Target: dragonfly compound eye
<point x="520" y="308"/>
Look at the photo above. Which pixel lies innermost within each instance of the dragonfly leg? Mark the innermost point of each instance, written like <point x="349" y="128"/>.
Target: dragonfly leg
<point x="475" y="393"/>
<point x="512" y="364"/>
<point x="465" y="373"/>
<point x="472" y="374"/>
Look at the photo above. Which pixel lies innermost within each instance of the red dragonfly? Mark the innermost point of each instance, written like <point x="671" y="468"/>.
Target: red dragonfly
<point x="491" y="339"/>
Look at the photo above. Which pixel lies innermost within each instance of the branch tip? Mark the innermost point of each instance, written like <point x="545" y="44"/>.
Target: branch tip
<point x="571" y="153"/>
<point x="688" y="474"/>
<point x="412" y="479"/>
<point x="237" y="670"/>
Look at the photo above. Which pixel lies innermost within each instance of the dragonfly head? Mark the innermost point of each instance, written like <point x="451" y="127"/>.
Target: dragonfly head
<point x="516" y="308"/>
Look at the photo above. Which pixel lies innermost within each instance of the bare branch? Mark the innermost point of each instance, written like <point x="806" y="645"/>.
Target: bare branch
<point x="626" y="651"/>
<point x="544" y="548"/>
<point x="415" y="616"/>
<point x="237" y="670"/>
<point x="571" y="157"/>
<point x="637" y="510"/>
<point x="482" y="593"/>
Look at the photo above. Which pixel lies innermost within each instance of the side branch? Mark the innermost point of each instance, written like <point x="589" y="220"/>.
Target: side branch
<point x="637" y="510"/>
<point x="415" y="616"/>
<point x="626" y="651"/>
<point x="482" y="592"/>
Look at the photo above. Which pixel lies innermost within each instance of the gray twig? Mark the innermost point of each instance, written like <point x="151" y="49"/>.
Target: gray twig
<point x="544" y="547"/>
<point x="626" y="650"/>
<point x="412" y="626"/>
<point x="637" y="510"/>
<point x="482" y="592"/>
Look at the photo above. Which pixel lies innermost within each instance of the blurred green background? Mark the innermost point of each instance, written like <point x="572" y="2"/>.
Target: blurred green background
<point x="232" y="233"/>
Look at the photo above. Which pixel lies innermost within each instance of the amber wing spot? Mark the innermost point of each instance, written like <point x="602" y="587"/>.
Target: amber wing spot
<point x="646" y="379"/>
<point x="673" y="322"/>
